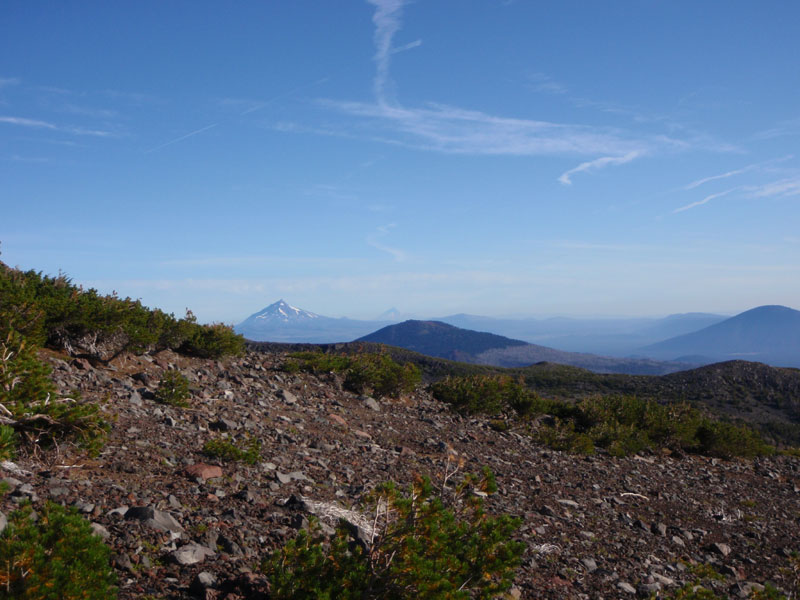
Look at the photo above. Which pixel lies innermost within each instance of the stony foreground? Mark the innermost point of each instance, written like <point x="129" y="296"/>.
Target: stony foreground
<point x="182" y="525"/>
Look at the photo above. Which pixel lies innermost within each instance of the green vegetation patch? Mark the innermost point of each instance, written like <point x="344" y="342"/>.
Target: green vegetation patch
<point x="247" y="451"/>
<point x="622" y="425"/>
<point x="55" y="556"/>
<point x="53" y="312"/>
<point x="173" y="389"/>
<point x="424" y="547"/>
<point x="367" y="373"/>
<point x="30" y="410"/>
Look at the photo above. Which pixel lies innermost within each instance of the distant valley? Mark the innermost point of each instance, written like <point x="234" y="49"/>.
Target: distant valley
<point x="441" y="340"/>
<point x="768" y="334"/>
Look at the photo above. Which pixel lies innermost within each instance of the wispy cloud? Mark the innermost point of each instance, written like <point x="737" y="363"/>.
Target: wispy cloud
<point x="598" y="163"/>
<point x="450" y="129"/>
<point x="541" y="82"/>
<point x="8" y="81"/>
<point x="705" y="200"/>
<point x="23" y="122"/>
<point x="409" y="46"/>
<point x="784" y="187"/>
<point x="786" y="128"/>
<point x="37" y="124"/>
<point x="455" y="130"/>
<point x="387" y="20"/>
<point x="745" y="169"/>
<point x="183" y="137"/>
<point x="700" y="182"/>
<point x="374" y="240"/>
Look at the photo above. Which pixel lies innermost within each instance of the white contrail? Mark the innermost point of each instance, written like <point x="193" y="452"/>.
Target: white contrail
<point x="183" y="137"/>
<point x="598" y="163"/>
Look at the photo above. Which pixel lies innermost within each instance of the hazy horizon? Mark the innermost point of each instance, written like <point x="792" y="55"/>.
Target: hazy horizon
<point x="501" y="158"/>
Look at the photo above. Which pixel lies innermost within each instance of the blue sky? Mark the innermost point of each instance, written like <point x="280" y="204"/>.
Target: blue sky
<point x="494" y="157"/>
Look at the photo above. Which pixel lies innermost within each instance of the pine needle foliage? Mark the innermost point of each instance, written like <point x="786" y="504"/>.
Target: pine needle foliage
<point x="364" y="373"/>
<point x="30" y="406"/>
<point x="54" y="557"/>
<point x="54" y="312"/>
<point x="173" y="389"/>
<point x="421" y="546"/>
<point x="620" y="424"/>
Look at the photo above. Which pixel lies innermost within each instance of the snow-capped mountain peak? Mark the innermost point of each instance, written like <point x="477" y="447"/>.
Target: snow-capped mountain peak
<point x="283" y="311"/>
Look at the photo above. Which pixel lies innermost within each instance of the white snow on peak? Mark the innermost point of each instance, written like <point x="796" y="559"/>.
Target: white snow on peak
<point x="282" y="311"/>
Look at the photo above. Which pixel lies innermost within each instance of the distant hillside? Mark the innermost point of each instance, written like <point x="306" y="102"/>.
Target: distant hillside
<point x="281" y="322"/>
<point x="769" y="334"/>
<point x="446" y="341"/>
<point x="439" y="339"/>
<point x="766" y="397"/>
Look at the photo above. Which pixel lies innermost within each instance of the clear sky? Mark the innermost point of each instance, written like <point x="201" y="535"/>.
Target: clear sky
<point x="634" y="157"/>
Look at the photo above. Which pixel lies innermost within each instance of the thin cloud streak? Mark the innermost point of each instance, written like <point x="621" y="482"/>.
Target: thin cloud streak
<point x="783" y="187"/>
<point x="409" y="46"/>
<point x="700" y="182"/>
<point x="37" y="124"/>
<point x="745" y="169"/>
<point x="374" y="241"/>
<point x="183" y="137"/>
<point x="598" y="163"/>
<point x="705" y="200"/>
<point x="453" y="130"/>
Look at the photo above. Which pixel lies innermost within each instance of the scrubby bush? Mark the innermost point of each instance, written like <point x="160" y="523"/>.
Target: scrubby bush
<point x="247" y="451"/>
<point x="53" y="557"/>
<point x="173" y="389"/>
<point x="379" y="375"/>
<point x="30" y="406"/>
<point x="490" y="394"/>
<point x="622" y="425"/>
<point x="726" y="440"/>
<point x="625" y="425"/>
<point x="318" y="362"/>
<point x="365" y="373"/>
<point x="52" y="311"/>
<point x="211" y="341"/>
<point x="420" y="547"/>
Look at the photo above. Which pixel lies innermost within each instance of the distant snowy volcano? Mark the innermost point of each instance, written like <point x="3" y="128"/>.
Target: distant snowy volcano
<point x="283" y="312"/>
<point x="282" y="322"/>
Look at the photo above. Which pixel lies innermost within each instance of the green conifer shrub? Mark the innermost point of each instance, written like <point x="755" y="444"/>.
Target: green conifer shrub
<point x="173" y="389"/>
<point x="32" y="408"/>
<point x="365" y="373"/>
<point x="489" y="394"/>
<point x="423" y="547"/>
<point x="379" y="375"/>
<point x="248" y="451"/>
<point x="55" y="557"/>
<point x="52" y="311"/>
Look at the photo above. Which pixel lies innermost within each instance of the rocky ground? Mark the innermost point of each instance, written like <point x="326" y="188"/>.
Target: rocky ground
<point x="182" y="525"/>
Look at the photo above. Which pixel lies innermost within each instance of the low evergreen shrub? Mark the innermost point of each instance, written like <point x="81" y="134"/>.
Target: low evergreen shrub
<point x="365" y="373"/>
<point x="247" y="451"/>
<point x="173" y="389"/>
<point x="30" y="407"/>
<point x="379" y="375"/>
<point x="422" y="547"/>
<point x="622" y="425"/>
<point x="489" y="394"/>
<point x="55" y="556"/>
<point x="52" y="311"/>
